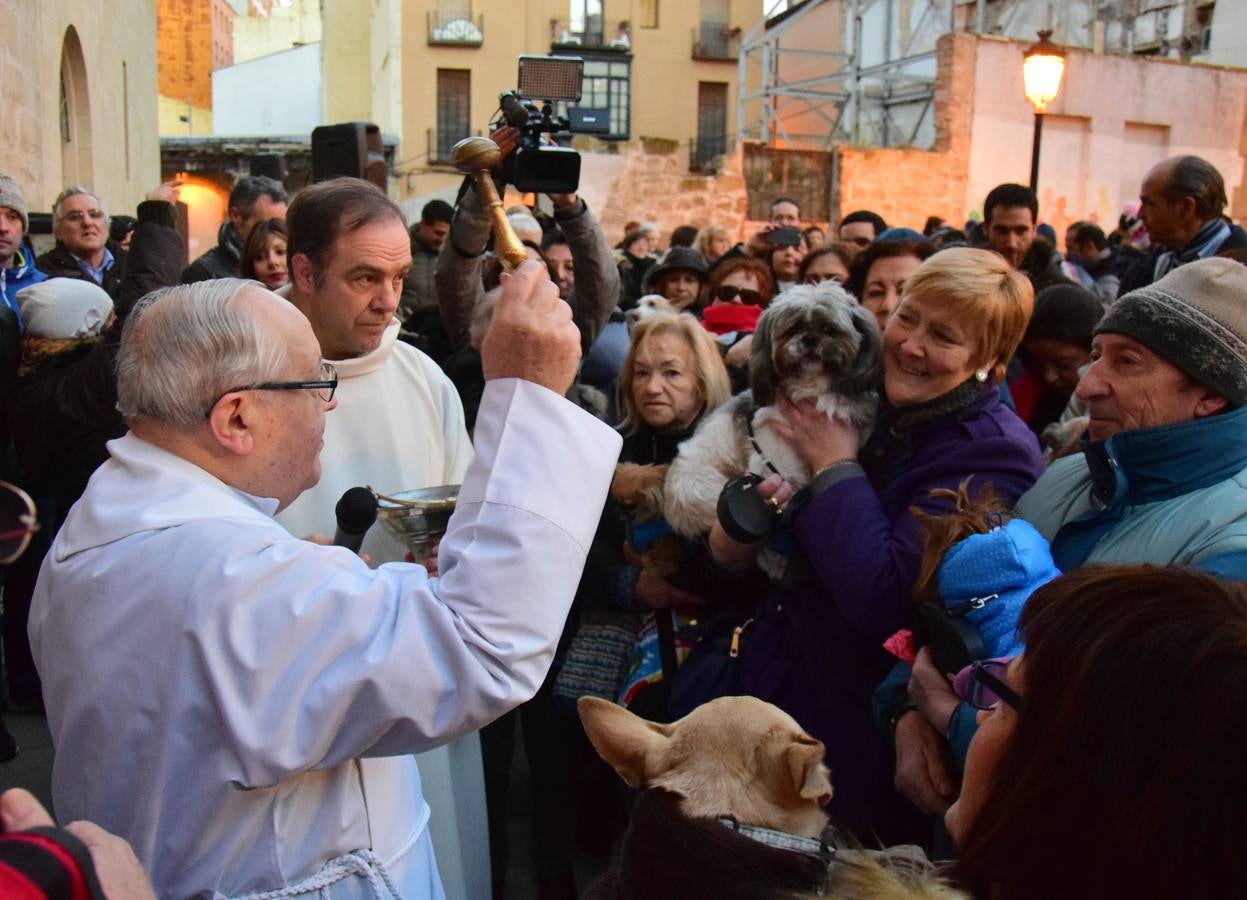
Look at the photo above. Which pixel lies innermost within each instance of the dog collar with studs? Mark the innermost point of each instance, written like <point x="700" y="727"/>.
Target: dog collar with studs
<point x="782" y="840"/>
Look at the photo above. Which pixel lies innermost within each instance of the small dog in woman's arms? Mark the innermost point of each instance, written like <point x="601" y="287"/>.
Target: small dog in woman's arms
<point x="814" y="342"/>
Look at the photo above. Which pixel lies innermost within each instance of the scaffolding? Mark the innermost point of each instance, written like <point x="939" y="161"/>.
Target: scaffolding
<point x="862" y="72"/>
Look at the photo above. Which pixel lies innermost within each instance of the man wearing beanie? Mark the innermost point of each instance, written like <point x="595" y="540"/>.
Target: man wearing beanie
<point x="17" y="265"/>
<point x="1162" y="476"/>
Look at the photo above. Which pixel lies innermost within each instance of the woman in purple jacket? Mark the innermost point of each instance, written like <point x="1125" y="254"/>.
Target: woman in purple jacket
<point x="815" y="649"/>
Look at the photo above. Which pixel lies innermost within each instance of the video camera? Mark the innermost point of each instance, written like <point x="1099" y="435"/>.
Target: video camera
<point x="546" y="80"/>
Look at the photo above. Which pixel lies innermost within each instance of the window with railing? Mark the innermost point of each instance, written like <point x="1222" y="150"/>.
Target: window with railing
<point x="711" y="140"/>
<point x="714" y="38"/>
<point x="715" y="41"/>
<point x="454" y="25"/>
<point x="584" y="25"/>
<point x="454" y="89"/>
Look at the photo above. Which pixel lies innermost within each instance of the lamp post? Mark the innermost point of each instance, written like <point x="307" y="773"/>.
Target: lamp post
<point x="1043" y="64"/>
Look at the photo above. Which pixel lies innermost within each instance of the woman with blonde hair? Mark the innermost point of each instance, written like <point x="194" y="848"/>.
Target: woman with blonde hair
<point x="816" y="647"/>
<point x="638" y="573"/>
<point x="712" y="242"/>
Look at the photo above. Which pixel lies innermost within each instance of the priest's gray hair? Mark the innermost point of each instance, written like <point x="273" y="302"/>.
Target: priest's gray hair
<point x="183" y="347"/>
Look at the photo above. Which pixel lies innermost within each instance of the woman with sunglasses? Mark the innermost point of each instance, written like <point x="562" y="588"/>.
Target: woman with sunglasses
<point x="1108" y="760"/>
<point x="738" y="291"/>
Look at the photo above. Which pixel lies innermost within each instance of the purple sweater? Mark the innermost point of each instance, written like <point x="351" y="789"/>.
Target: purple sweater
<point x="815" y="650"/>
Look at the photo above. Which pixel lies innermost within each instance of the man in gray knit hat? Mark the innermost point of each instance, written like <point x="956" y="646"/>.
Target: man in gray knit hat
<point x="1163" y="475"/>
<point x="17" y="266"/>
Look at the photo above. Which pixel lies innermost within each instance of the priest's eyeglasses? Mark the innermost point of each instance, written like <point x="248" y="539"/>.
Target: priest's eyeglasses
<point x="324" y="388"/>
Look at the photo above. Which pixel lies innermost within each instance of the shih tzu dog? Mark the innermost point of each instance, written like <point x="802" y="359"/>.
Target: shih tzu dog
<point x="814" y="342"/>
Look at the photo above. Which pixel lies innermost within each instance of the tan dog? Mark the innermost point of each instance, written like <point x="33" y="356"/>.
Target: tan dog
<point x="734" y="757"/>
<point x="639" y="487"/>
<point x="742" y="760"/>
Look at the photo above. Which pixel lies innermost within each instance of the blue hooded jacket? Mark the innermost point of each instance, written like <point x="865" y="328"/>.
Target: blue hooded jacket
<point x="1007" y="564"/>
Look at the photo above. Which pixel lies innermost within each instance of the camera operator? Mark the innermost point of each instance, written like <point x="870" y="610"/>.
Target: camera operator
<point x="583" y="268"/>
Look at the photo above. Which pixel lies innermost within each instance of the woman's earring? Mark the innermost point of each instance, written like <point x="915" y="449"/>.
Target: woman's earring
<point x="980" y="375"/>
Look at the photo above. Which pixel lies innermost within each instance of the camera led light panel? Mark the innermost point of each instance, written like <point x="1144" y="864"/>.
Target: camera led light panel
<point x="551" y="77"/>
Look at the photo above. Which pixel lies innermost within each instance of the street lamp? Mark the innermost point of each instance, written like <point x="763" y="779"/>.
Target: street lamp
<point x="1043" y="64"/>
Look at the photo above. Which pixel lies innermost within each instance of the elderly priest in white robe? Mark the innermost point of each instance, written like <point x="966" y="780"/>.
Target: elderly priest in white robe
<point x="241" y="705"/>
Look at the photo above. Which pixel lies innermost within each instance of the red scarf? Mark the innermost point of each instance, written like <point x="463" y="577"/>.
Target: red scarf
<point x="724" y="318"/>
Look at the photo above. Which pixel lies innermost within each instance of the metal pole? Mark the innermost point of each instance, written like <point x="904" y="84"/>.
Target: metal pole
<point x="1035" y="152"/>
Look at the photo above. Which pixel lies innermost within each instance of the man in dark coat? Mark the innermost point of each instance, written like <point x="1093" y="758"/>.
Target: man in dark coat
<point x="83" y="249"/>
<point x="254" y="199"/>
<point x="1181" y="203"/>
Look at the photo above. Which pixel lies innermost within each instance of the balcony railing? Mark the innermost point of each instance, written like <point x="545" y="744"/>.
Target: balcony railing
<point x="594" y="36"/>
<point x="455" y="29"/>
<point x="715" y="41"/>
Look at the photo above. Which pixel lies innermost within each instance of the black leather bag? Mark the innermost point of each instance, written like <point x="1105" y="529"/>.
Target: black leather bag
<point x="954" y="640"/>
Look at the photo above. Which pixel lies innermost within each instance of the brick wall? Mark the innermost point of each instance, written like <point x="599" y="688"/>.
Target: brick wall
<point x="23" y="96"/>
<point x="193" y="38"/>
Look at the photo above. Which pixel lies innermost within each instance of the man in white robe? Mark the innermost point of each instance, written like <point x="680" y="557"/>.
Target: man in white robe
<point x="240" y="704"/>
<point x="398" y="427"/>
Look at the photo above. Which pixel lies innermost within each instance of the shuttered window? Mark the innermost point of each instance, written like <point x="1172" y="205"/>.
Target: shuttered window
<point x="454" y="88"/>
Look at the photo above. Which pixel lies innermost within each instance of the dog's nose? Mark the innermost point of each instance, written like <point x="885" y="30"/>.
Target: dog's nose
<point x="809" y="340"/>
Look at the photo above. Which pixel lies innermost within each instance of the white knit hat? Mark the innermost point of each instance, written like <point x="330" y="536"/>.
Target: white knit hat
<point x="64" y="308"/>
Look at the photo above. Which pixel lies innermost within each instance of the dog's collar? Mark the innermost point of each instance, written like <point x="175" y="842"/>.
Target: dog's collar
<point x="782" y="840"/>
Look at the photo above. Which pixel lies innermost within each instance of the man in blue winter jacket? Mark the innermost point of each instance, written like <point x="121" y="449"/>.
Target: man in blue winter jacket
<point x="17" y="267"/>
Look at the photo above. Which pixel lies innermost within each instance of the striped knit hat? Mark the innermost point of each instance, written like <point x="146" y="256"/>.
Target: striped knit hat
<point x="1195" y="318"/>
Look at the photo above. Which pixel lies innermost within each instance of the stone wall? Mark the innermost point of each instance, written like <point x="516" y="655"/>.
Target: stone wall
<point x="116" y="149"/>
<point x="649" y="181"/>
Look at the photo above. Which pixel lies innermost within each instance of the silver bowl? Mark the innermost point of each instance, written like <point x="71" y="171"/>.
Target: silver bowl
<point x="418" y="518"/>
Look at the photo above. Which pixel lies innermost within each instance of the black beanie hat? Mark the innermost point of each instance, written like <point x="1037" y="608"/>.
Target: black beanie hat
<point x="1066" y="313"/>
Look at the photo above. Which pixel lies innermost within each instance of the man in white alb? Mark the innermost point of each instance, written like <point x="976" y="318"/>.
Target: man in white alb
<point x="241" y="705"/>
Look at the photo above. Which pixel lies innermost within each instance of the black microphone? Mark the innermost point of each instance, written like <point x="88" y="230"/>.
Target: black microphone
<point x="356" y="512"/>
<point x="513" y="109"/>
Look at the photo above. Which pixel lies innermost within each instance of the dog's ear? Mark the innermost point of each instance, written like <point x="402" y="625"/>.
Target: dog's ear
<point x="762" y="362"/>
<point x="632" y="746"/>
<point x="804" y="757"/>
<point x="866" y="373"/>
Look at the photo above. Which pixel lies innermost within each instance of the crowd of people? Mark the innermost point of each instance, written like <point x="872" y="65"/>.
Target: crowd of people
<point x="260" y="714"/>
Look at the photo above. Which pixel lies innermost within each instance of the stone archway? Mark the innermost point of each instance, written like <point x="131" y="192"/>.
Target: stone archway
<point x="75" y="113"/>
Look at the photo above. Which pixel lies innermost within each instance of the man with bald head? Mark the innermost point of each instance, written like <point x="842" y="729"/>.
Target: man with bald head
<point x="249" y="726"/>
<point x="1181" y="203"/>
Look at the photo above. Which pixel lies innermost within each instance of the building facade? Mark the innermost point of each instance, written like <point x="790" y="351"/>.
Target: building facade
<point x="662" y="70"/>
<point x="78" y="98"/>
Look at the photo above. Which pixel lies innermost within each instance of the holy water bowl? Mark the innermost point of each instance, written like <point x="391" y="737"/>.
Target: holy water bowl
<point x="418" y="518"/>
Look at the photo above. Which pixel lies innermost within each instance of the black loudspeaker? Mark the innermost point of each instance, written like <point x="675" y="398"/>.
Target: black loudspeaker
<point x="271" y="164"/>
<point x="349" y="148"/>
